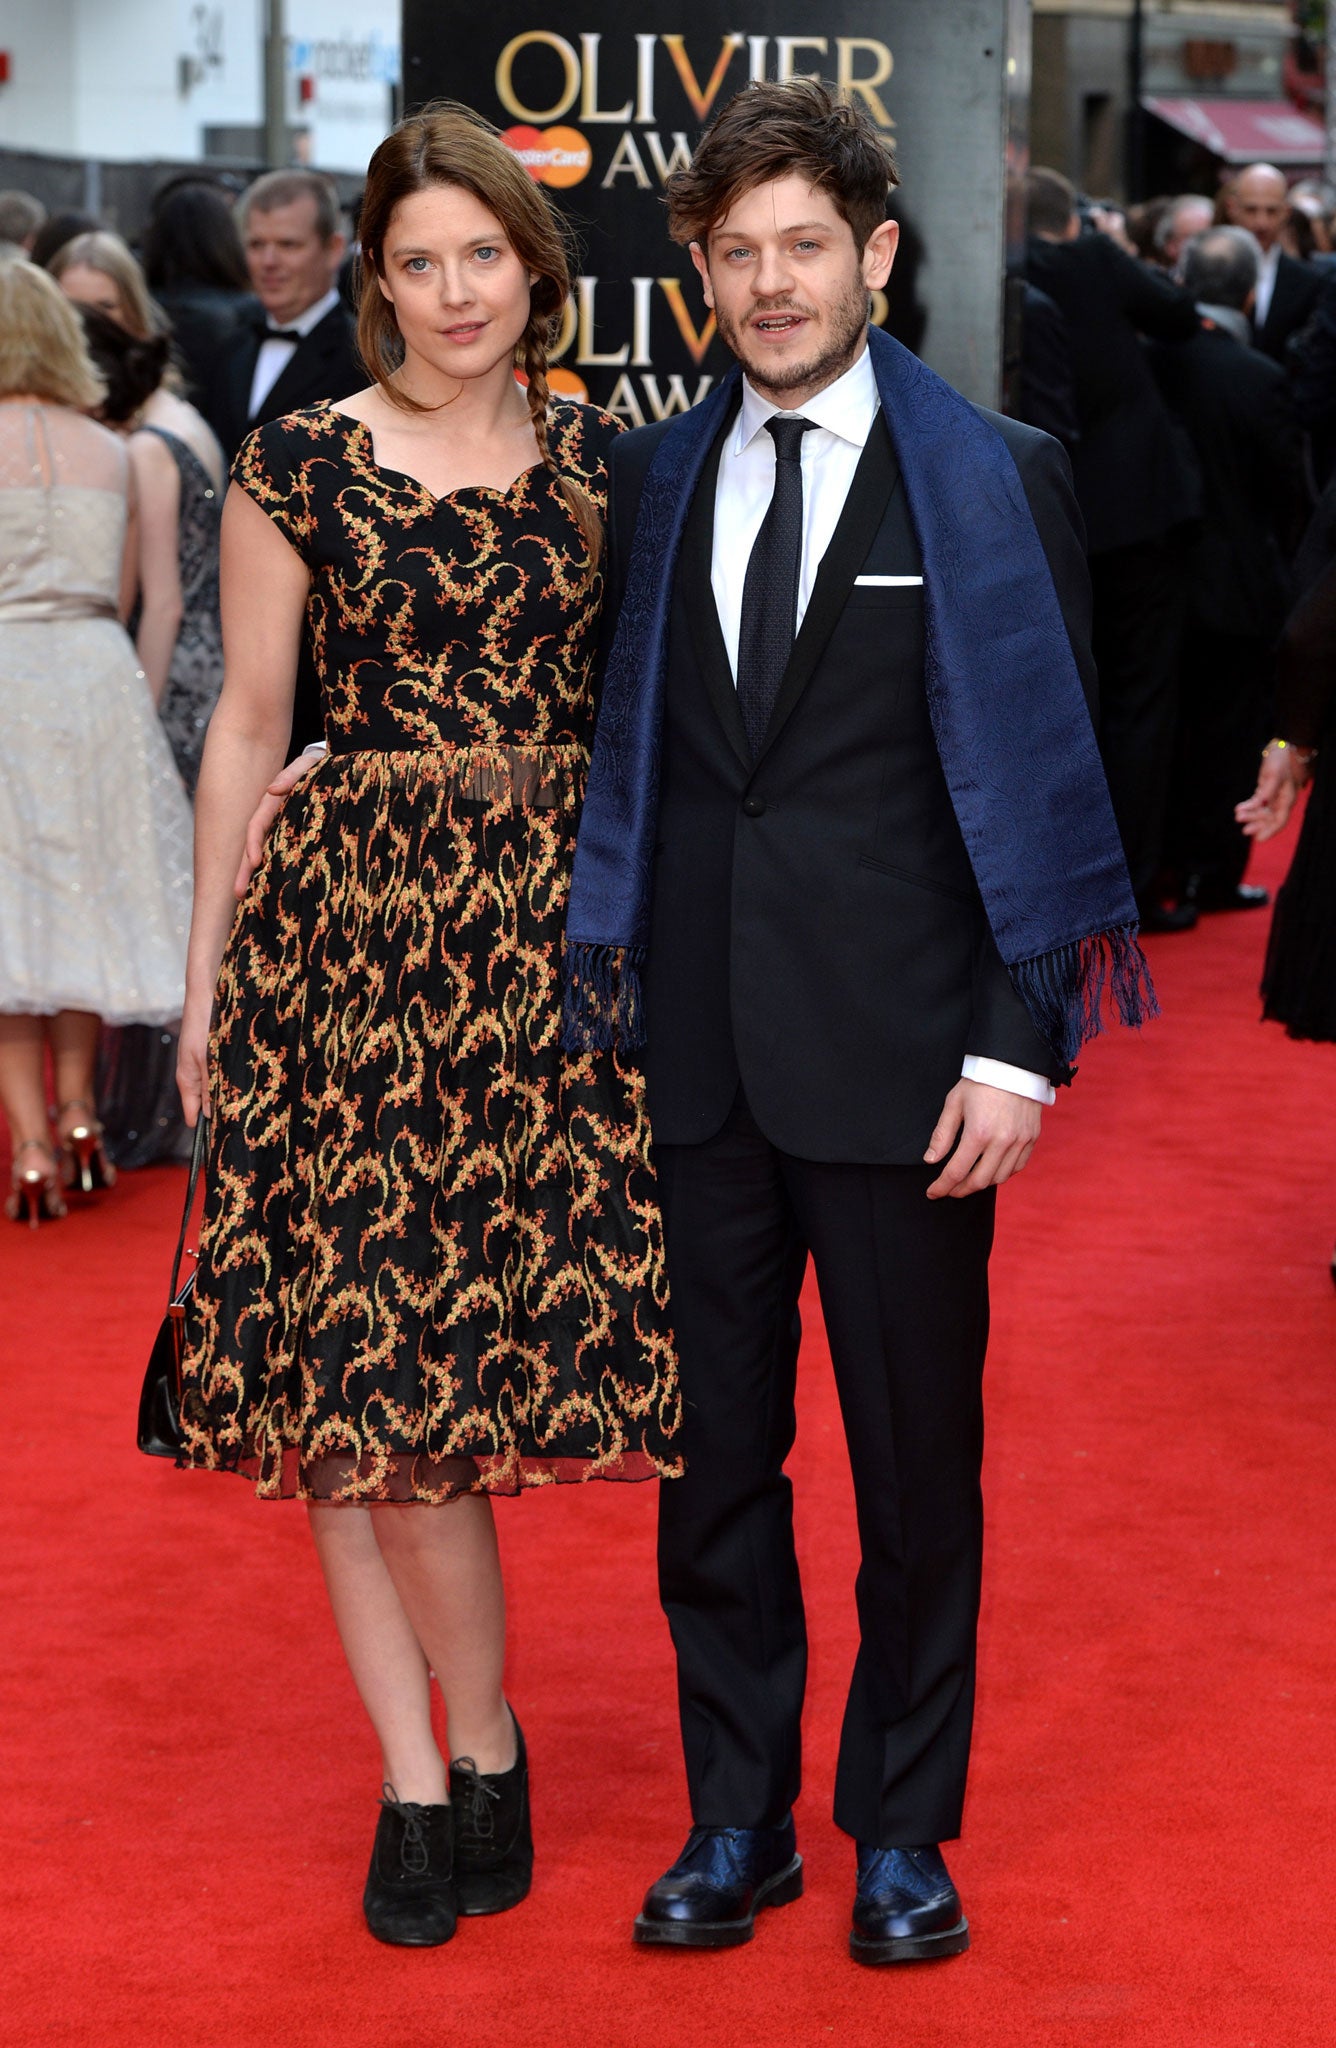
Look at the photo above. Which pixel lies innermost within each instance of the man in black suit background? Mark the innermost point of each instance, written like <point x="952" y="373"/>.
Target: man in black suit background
<point x="837" y="1060"/>
<point x="300" y="347"/>
<point x="1287" y="290"/>
<point x="1138" y="491"/>
<point x="1235" y="405"/>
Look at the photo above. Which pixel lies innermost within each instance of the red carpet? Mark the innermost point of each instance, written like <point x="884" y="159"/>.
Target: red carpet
<point x="1147" y="1859"/>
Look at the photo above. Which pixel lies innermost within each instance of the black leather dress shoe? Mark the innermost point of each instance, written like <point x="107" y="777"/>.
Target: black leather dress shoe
<point x="1165" y="917"/>
<point x="409" y="1899"/>
<point x="906" y="1909"/>
<point x="712" y="1894"/>
<point x="493" y="1839"/>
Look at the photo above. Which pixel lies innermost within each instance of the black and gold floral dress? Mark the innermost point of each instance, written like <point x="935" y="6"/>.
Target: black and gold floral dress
<point x="431" y="1259"/>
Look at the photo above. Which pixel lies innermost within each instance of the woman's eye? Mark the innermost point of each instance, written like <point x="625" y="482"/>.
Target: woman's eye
<point x="486" y="253"/>
<point x="416" y="265"/>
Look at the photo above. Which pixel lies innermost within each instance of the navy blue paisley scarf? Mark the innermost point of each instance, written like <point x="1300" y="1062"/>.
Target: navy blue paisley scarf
<point x="1007" y="710"/>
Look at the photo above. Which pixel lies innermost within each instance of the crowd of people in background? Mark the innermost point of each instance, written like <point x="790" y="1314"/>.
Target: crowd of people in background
<point x="1183" y="350"/>
<point x="122" y="418"/>
<point x="1179" y="346"/>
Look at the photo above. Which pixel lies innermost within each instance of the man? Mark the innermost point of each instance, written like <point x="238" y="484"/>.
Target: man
<point x="1188" y="215"/>
<point x="20" y="217"/>
<point x="1138" y="492"/>
<point x="1287" y="290"/>
<point x="845" y="731"/>
<point x="1235" y="406"/>
<point x="300" y="348"/>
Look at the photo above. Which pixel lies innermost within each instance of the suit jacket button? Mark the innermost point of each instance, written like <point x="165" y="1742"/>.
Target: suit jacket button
<point x="753" y="806"/>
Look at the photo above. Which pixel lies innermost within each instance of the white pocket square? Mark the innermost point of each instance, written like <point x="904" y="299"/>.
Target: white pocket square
<point x="885" y="582"/>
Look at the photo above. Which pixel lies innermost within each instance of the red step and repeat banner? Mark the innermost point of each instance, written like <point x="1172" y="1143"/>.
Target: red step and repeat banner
<point x="603" y="99"/>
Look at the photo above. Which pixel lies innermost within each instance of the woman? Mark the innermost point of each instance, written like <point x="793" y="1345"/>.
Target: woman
<point x="99" y="271"/>
<point x="178" y="638"/>
<point x="94" y="828"/>
<point x="1299" y="979"/>
<point x="430" y="1263"/>
<point x="196" y="271"/>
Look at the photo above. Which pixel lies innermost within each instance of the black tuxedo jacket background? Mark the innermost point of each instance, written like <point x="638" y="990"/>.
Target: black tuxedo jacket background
<point x="325" y="365"/>
<point x="1294" y="297"/>
<point x="816" y="931"/>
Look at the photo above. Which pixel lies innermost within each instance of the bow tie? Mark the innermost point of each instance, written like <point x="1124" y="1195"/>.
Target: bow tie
<point x="268" y="333"/>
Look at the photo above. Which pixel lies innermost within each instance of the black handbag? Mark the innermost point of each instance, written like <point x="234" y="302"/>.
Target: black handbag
<point x="160" y="1395"/>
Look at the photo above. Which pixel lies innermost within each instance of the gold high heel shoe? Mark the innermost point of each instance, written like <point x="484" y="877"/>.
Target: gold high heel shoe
<point x="83" y="1144"/>
<point x="36" y="1191"/>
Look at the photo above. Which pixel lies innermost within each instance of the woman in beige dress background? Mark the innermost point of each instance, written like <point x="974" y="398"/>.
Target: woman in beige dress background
<point x="94" y="825"/>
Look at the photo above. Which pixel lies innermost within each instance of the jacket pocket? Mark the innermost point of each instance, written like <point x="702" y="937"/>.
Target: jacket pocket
<point x="883" y="867"/>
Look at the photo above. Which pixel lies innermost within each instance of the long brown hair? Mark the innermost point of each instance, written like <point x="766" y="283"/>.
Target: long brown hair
<point x="448" y="144"/>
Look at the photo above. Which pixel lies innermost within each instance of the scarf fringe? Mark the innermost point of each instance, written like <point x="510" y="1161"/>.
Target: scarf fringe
<point x="602" y="1007"/>
<point x="1065" y="990"/>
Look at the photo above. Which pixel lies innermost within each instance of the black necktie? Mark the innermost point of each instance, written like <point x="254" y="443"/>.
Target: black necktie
<point x="268" y="333"/>
<point x="770" y="592"/>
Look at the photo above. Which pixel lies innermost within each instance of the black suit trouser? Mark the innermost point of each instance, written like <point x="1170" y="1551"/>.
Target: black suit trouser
<point x="1139" y="601"/>
<point x="904" y="1293"/>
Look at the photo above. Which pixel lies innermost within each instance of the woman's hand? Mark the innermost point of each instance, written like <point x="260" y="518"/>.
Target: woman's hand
<point x="264" y="814"/>
<point x="192" y="1060"/>
<point x="1280" y="778"/>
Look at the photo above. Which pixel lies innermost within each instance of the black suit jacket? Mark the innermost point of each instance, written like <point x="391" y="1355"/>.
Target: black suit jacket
<point x="1294" y="298"/>
<point x="324" y="365"/>
<point x="1133" y="472"/>
<point x="816" y="930"/>
<point x="1235" y="406"/>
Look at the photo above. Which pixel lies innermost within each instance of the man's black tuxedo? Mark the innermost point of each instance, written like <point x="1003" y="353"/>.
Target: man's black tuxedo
<point x="819" y="965"/>
<point x="324" y="365"/>
<point x="1294" y="298"/>
<point x="817" y="931"/>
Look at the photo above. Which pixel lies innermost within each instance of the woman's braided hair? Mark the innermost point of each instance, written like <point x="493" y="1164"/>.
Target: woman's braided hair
<point x="448" y="144"/>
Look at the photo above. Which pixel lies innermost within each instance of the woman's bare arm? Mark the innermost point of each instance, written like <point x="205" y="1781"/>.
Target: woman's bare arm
<point x="159" y="483"/>
<point x="264" y="586"/>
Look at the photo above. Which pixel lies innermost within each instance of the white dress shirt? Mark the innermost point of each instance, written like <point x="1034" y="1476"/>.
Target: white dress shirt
<point x="275" y="356"/>
<point x="1266" y="284"/>
<point x="841" y="418"/>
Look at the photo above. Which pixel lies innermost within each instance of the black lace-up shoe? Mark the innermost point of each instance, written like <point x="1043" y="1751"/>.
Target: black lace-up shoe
<point x="906" y="1909"/>
<point x="712" y="1894"/>
<point x="493" y="1837"/>
<point x="410" y="1888"/>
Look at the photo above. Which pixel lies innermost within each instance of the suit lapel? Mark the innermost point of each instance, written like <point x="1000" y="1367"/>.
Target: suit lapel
<point x="864" y="509"/>
<point x="301" y="373"/>
<point x="707" y="637"/>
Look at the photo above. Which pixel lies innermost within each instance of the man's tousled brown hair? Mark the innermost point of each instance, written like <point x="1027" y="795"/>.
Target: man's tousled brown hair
<point x="448" y="144"/>
<point x="771" y="130"/>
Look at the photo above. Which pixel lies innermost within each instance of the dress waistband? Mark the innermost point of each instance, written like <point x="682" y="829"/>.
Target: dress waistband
<point x="25" y="610"/>
<point x="537" y="777"/>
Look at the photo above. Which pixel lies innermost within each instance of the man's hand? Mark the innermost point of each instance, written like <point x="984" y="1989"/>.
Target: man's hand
<point x="270" y="804"/>
<point x="997" y="1131"/>
<point x="1279" y="780"/>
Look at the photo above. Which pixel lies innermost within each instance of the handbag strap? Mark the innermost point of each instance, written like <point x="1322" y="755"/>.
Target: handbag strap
<point x="197" y="1152"/>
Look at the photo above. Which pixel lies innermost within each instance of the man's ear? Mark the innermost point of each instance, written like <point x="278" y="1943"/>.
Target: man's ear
<point x="703" y="272"/>
<point x="879" y="254"/>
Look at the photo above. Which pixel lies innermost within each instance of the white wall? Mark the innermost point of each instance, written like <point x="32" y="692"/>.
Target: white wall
<point x="105" y="78"/>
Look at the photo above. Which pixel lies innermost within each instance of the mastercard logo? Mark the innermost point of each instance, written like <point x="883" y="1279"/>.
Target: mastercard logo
<point x="551" y="156"/>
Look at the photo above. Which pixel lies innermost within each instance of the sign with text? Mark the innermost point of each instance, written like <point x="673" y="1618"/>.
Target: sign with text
<point x="603" y="99"/>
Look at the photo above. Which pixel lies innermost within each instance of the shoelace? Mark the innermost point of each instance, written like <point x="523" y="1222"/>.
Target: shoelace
<point x="480" y="1821"/>
<point x="414" y="1854"/>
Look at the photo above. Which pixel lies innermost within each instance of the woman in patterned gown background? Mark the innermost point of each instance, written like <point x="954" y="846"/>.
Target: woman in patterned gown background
<point x="431" y="1265"/>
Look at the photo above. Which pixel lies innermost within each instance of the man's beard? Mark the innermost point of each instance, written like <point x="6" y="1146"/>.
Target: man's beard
<point x="846" y="323"/>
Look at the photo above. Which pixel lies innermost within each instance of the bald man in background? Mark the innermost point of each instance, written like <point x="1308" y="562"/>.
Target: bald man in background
<point x="1287" y="290"/>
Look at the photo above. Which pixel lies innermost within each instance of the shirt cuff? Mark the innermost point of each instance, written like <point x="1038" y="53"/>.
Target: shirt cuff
<point x="1016" y="1080"/>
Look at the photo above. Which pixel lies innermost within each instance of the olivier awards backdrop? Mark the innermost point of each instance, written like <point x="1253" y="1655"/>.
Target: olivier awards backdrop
<point x="602" y="99"/>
